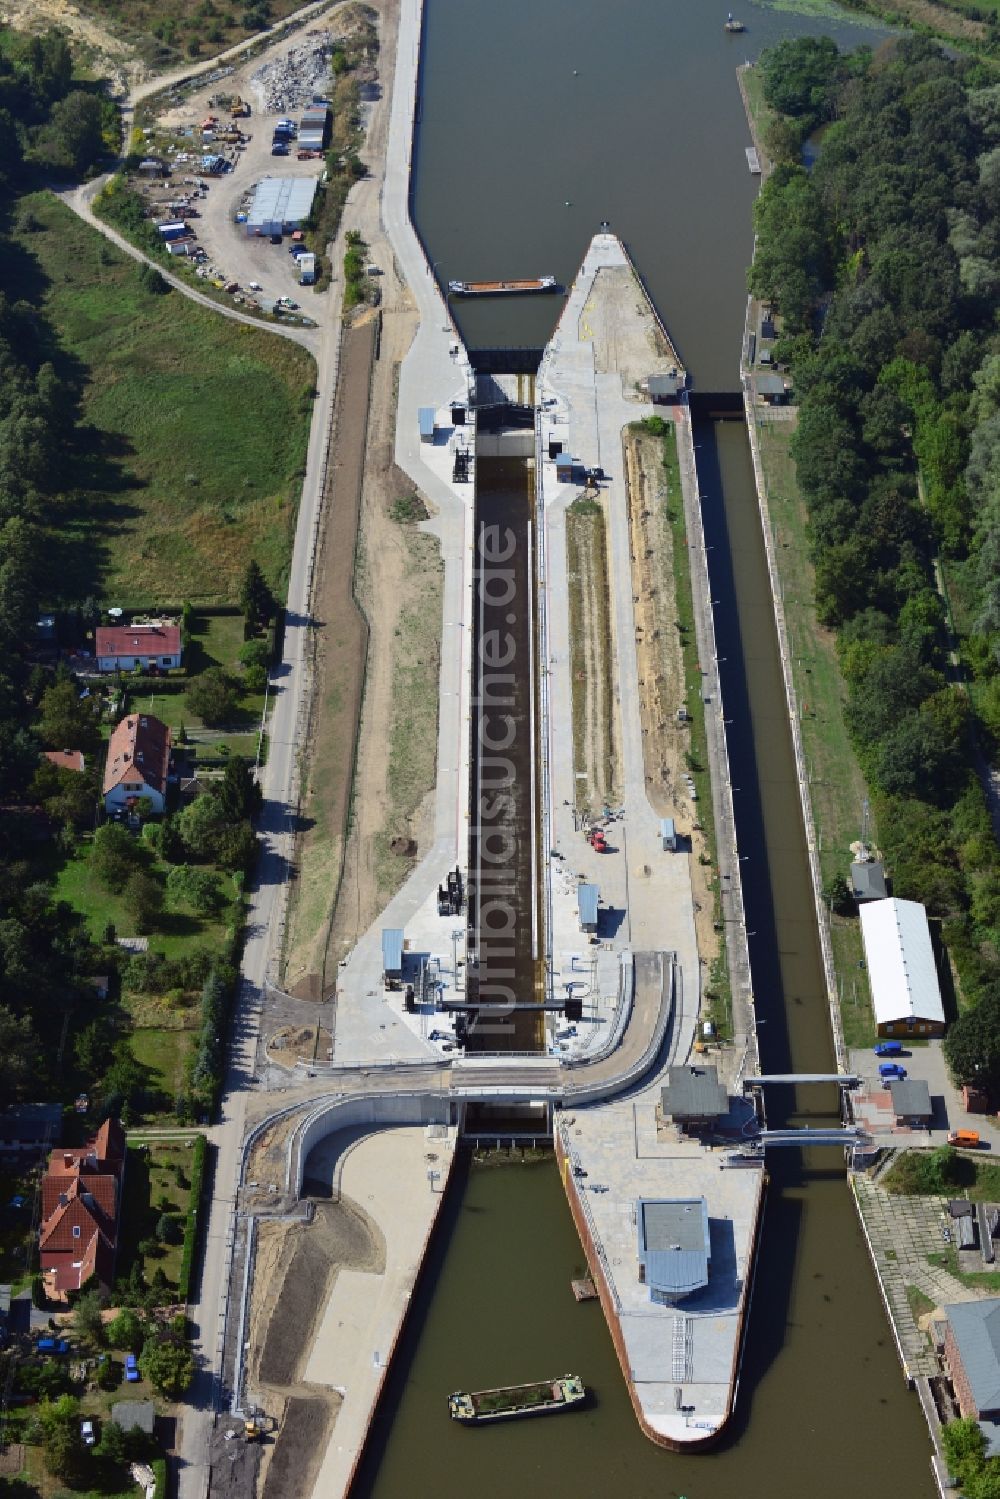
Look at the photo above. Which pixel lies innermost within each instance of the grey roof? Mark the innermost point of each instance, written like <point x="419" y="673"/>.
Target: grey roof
<point x="674" y="1244"/>
<point x="991" y="1431"/>
<point x="694" y="1093"/>
<point x="960" y="1207"/>
<point x="587" y="898"/>
<point x="392" y="949"/>
<point x="285" y="200"/>
<point x="975" y="1326"/>
<point x="868" y="880"/>
<point x="129" y="1413"/>
<point x="664" y="385"/>
<point x="425" y="418"/>
<point x="912" y="1097"/>
<point x="38" y="1123"/>
<point x="771" y="385"/>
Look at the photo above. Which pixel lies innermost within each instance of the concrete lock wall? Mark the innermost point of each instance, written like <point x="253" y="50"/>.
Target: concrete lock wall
<point x="505" y="444"/>
<point x="347" y="1113"/>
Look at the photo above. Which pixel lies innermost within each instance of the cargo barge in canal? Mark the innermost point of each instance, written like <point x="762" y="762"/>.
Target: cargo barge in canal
<point x="501" y="288"/>
<point x="514" y="1401"/>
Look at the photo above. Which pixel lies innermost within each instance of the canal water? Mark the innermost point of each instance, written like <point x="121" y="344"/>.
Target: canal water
<point x="648" y="133"/>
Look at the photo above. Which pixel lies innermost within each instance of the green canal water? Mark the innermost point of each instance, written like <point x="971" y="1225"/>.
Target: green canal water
<point x="630" y="112"/>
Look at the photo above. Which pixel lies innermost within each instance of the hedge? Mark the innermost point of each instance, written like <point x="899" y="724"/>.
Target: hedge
<point x="159" y="1467"/>
<point x="193" y="1214"/>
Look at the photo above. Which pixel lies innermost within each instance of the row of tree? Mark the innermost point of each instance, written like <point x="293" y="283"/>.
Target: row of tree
<point x="884" y="262"/>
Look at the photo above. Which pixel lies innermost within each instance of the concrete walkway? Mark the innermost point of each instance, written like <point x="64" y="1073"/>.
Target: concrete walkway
<point x="386" y="1175"/>
<point x="902" y="1232"/>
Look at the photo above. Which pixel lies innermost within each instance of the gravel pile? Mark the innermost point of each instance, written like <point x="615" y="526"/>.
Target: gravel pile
<point x="290" y="81"/>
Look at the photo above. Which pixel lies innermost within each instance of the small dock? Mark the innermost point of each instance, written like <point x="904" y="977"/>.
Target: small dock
<point x="753" y="160"/>
<point x="584" y="1290"/>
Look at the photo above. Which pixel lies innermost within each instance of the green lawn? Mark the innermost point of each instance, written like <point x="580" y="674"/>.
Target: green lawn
<point x="213" y="640"/>
<point x="149" y="1181"/>
<point x="836" y="786"/>
<point x="175" y="931"/>
<point x="199" y="424"/>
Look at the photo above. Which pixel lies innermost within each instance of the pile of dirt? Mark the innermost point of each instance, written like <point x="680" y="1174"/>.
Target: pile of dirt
<point x="406" y="848"/>
<point x="302" y="1442"/>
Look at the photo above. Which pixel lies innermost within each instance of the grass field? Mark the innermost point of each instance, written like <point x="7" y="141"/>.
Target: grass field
<point x="77" y="884"/>
<point x="198" y="425"/>
<point x="836" y="786"/>
<point x="213" y="640"/>
<point x="151" y="1187"/>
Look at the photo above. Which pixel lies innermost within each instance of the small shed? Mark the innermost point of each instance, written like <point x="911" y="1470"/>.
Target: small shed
<point x="911" y="1102"/>
<point x="392" y="953"/>
<point x="960" y="1207"/>
<point x="129" y="1414"/>
<point x="773" y="389"/>
<point x="693" y="1097"/>
<point x="868" y="881"/>
<point x="668" y="835"/>
<point x="565" y="468"/>
<point x="425" y="422"/>
<point x="587" y="897"/>
<point x="664" y="390"/>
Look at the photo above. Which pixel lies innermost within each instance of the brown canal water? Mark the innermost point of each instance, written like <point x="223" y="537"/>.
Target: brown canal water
<point x="649" y="134"/>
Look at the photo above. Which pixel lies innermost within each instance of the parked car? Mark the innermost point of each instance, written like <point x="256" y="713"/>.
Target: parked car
<point x="131" y="1368"/>
<point x="53" y="1345"/>
<point x="87" y="1433"/>
<point x="969" y="1138"/>
<point x="891" y="1071"/>
<point x="889" y="1049"/>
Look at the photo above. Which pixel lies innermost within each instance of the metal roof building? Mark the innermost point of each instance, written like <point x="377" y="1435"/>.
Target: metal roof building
<point x="674" y="1246"/>
<point x="281" y="204"/>
<point x="974" y="1328"/>
<point x="587" y="897"/>
<point x="868" y="881"/>
<point x="901" y="969"/>
<point x="392" y="951"/>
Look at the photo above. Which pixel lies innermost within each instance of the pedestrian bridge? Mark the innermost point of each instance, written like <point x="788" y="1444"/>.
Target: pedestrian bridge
<point x="842" y="1079"/>
<point x="850" y="1134"/>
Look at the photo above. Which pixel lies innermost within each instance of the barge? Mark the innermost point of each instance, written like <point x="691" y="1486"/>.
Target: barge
<point x="512" y="1401"/>
<point x="500" y="288"/>
<point x="733" y="25"/>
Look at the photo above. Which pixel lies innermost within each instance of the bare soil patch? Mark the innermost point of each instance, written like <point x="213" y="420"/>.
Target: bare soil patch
<point x="661" y="668"/>
<point x="302" y="1442"/>
<point x="594" y="717"/>
<point x="340" y="643"/>
<point x="291" y="1043"/>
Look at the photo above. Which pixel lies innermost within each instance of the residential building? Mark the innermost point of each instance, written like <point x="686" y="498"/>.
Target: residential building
<point x="31" y="1126"/>
<point x="155" y="645"/>
<point x="138" y="763"/>
<point x="81" y="1203"/>
<point x="65" y="759"/>
<point x="902" y="973"/>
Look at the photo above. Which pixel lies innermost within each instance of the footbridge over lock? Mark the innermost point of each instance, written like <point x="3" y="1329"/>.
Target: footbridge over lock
<point x="841" y="1079"/>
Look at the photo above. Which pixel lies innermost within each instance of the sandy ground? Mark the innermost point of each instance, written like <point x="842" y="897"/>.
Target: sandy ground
<point x="627" y="340"/>
<point x="594" y="710"/>
<point x="340" y="643"/>
<point x="297" y="1267"/>
<point x="396" y="579"/>
<point x="661" y="667"/>
<point x="110" y="55"/>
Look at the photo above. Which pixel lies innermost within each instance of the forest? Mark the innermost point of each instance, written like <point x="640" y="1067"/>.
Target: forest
<point x="883" y="260"/>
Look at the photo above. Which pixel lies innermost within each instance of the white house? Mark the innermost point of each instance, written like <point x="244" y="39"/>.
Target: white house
<point x="124" y="647"/>
<point x="138" y="762"/>
<point x="901" y="968"/>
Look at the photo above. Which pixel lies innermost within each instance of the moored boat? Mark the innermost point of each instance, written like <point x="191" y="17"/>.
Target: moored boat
<point x="500" y="288"/>
<point x="512" y="1401"/>
<point x="734" y="25"/>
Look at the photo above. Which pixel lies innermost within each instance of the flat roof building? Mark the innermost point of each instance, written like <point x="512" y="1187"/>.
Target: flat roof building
<point x="674" y="1247"/>
<point x="280" y="205"/>
<point x="901" y="970"/>
<point x="972" y="1349"/>
<point x="668" y="834"/>
<point x="425" y="423"/>
<point x="693" y="1096"/>
<point x="911" y="1102"/>
<point x="587" y="897"/>
<point x="392" y="952"/>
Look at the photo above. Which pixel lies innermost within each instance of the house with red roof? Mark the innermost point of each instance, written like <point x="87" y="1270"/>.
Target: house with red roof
<point x="81" y="1204"/>
<point x="138" y="763"/>
<point x="65" y="759"/>
<point x="152" y="646"/>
